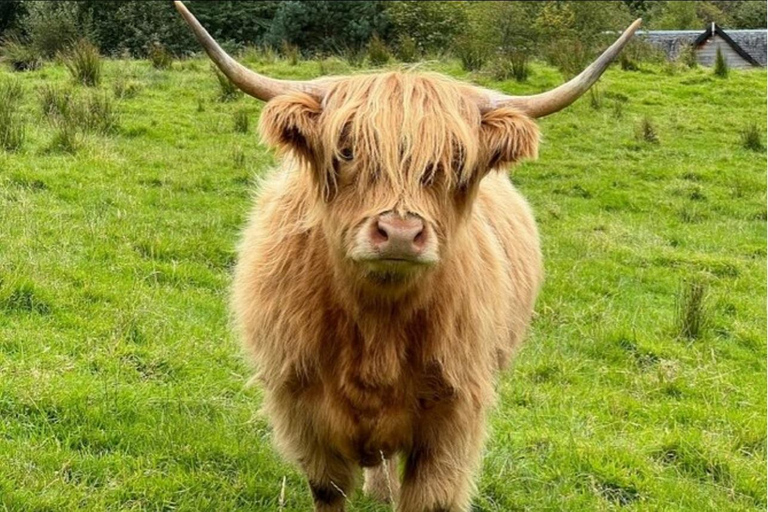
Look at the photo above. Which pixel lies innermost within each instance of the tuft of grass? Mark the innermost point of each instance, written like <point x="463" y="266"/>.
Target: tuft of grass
<point x="290" y="52"/>
<point x="596" y="97"/>
<point x="126" y="88"/>
<point x="691" y="309"/>
<point x="12" y="123"/>
<point x="751" y="137"/>
<point x="238" y="157"/>
<point x="84" y="64"/>
<point x="240" y="118"/>
<point x="406" y="49"/>
<point x="227" y="90"/>
<point x="721" y="65"/>
<point x="617" y="110"/>
<point x="94" y="112"/>
<point x="65" y="138"/>
<point x="159" y="56"/>
<point x="378" y="53"/>
<point x="20" y="56"/>
<point x="646" y="131"/>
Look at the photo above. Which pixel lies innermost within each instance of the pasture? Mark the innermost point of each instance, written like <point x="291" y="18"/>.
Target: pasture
<point x="642" y="385"/>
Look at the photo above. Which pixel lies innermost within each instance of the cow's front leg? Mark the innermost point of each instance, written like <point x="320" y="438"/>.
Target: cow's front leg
<point x="382" y="482"/>
<point x="331" y="479"/>
<point x="440" y="468"/>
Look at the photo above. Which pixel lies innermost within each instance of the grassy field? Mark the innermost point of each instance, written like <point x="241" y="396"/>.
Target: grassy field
<point x="122" y="386"/>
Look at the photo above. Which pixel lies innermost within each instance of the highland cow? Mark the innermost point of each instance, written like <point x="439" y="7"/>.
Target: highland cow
<point x="388" y="272"/>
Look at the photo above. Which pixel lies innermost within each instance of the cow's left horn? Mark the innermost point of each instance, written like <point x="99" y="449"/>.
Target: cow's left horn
<point x="549" y="102"/>
<point x="250" y="82"/>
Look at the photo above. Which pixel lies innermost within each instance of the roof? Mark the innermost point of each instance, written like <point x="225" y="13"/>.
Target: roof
<point x="749" y="44"/>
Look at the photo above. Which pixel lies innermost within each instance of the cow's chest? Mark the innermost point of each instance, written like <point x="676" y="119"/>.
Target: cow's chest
<point x="379" y="391"/>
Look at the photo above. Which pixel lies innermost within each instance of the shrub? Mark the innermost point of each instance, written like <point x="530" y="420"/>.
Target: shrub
<point x="227" y="90"/>
<point x="84" y="63"/>
<point x="241" y="121"/>
<point x="752" y="138"/>
<point x="378" y="54"/>
<point x="691" y="309"/>
<point x="406" y="49"/>
<point x="721" y="66"/>
<point x="646" y="131"/>
<point x="52" y="26"/>
<point x="687" y="56"/>
<point x="159" y="56"/>
<point x="472" y="51"/>
<point x="20" y="56"/>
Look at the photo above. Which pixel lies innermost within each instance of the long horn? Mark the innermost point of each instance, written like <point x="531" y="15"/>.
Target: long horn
<point x="549" y="102"/>
<point x="250" y="82"/>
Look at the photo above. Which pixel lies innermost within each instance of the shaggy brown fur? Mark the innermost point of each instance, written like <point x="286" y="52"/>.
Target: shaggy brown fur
<point x="359" y="363"/>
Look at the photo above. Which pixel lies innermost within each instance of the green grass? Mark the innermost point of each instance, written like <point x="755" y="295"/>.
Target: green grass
<point x="122" y="386"/>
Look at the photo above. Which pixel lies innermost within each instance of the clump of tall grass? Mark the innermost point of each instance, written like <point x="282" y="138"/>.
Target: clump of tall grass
<point x="20" y="56"/>
<point x="12" y="124"/>
<point x="125" y="88"/>
<point x="721" y="65"/>
<point x="378" y="53"/>
<point x="752" y="138"/>
<point x="691" y="309"/>
<point x="510" y="65"/>
<point x="596" y="97"/>
<point x="240" y="119"/>
<point x="84" y="63"/>
<point x="227" y="90"/>
<point x="159" y="56"/>
<point x="646" y="131"/>
<point x="66" y="138"/>
<point x="94" y="112"/>
<point x="406" y="49"/>
<point x="290" y="52"/>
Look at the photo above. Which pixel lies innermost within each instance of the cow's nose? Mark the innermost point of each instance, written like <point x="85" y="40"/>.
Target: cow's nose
<point x="398" y="238"/>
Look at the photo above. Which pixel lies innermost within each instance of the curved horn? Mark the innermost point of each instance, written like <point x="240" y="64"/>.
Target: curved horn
<point x="250" y="82"/>
<point x="540" y="105"/>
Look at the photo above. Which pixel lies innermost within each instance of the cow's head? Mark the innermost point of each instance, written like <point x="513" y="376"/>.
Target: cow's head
<point x="395" y="158"/>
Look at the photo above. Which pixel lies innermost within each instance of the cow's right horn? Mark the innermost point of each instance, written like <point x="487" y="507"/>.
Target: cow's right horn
<point x="250" y="82"/>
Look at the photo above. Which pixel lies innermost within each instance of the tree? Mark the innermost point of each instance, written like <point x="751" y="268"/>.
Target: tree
<point x="432" y="25"/>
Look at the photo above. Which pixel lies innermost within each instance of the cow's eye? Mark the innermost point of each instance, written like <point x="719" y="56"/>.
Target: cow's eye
<point x="346" y="154"/>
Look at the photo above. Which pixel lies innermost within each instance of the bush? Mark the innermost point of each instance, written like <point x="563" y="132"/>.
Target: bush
<point x="646" y="131"/>
<point x="227" y="90"/>
<point x="721" y="66"/>
<point x="472" y="51"/>
<point x="406" y="49"/>
<point x="84" y="63"/>
<point x="159" y="56"/>
<point x="378" y="54"/>
<point x="687" y="56"/>
<point x="241" y="121"/>
<point x="12" y="126"/>
<point x="752" y="138"/>
<point x="20" y="56"/>
<point x="53" y="27"/>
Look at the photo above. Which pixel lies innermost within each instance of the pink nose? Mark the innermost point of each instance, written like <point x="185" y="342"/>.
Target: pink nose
<point x="398" y="238"/>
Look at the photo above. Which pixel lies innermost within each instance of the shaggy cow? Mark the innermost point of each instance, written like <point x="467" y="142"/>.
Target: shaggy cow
<point x="388" y="272"/>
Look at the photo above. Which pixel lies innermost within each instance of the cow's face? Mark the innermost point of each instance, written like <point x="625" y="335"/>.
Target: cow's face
<point x="395" y="160"/>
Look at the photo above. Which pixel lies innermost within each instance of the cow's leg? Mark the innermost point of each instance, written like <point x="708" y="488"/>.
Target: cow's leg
<point x="331" y="479"/>
<point x="441" y="465"/>
<point x="382" y="482"/>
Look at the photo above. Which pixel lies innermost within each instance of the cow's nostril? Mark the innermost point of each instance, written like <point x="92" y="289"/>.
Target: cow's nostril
<point x="382" y="233"/>
<point x="419" y="238"/>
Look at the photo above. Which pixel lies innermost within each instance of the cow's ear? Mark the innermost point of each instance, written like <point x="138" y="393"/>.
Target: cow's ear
<point x="289" y="123"/>
<point x="507" y="136"/>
